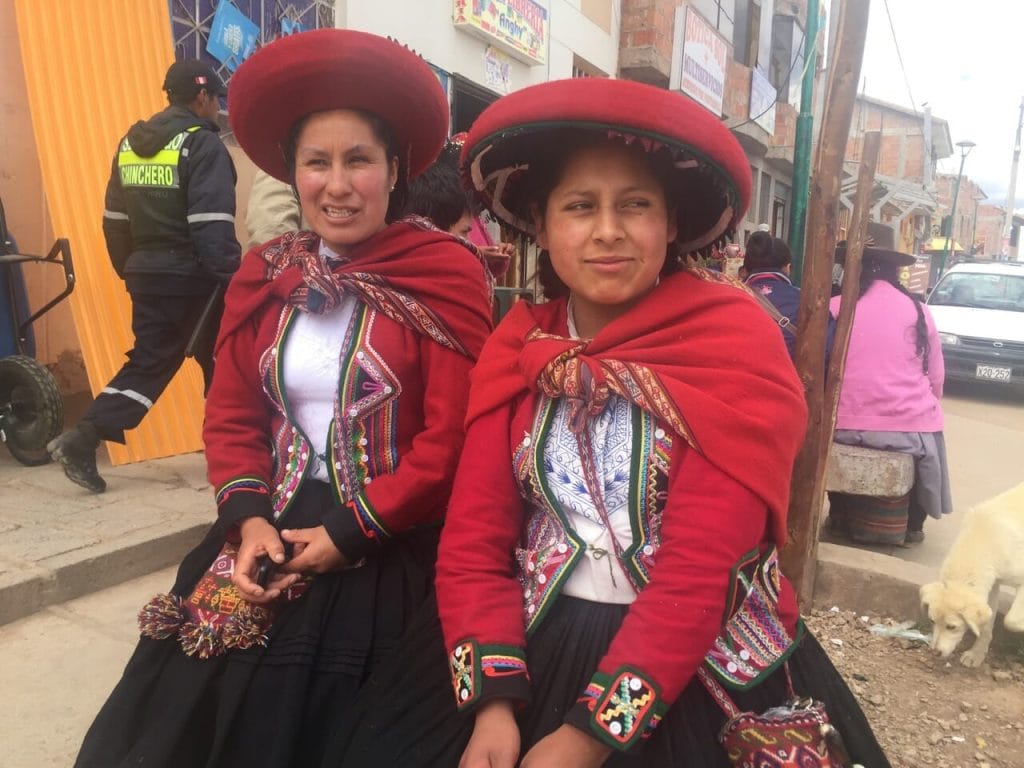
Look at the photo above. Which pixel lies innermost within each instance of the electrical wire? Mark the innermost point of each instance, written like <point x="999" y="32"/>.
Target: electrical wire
<point x="899" y="56"/>
<point x="778" y="99"/>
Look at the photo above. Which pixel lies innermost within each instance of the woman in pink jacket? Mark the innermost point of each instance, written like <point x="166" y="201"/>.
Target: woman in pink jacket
<point x="891" y="399"/>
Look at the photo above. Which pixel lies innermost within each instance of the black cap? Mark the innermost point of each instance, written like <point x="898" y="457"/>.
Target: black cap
<point x="186" y="78"/>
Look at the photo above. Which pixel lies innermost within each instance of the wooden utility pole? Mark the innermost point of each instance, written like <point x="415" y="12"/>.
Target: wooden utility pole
<point x="807" y="495"/>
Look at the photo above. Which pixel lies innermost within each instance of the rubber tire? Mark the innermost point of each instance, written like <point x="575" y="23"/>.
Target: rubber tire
<point x="32" y="408"/>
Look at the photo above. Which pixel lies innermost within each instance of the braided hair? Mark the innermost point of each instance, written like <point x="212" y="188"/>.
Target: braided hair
<point x="886" y="271"/>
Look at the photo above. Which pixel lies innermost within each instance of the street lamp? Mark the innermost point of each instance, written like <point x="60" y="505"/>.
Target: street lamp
<point x="965" y="150"/>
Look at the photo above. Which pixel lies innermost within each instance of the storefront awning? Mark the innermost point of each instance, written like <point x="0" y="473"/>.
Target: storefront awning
<point x="939" y="244"/>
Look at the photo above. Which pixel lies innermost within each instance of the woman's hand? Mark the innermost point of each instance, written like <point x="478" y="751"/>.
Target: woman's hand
<point x="313" y="551"/>
<point x="259" y="537"/>
<point x="567" y="747"/>
<point x="495" y="739"/>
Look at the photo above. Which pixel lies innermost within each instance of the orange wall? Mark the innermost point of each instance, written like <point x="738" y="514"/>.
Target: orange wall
<point x="88" y="79"/>
<point x="21" y="189"/>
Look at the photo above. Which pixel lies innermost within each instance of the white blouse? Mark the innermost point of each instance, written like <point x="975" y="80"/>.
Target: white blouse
<point x="599" y="575"/>
<point x="311" y="366"/>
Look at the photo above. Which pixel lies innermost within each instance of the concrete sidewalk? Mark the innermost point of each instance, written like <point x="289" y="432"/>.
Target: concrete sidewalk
<point x="58" y="541"/>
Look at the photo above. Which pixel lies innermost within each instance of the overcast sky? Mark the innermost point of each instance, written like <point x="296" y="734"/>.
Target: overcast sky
<point x="964" y="60"/>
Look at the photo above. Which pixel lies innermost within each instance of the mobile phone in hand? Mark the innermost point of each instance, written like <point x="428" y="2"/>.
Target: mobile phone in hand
<point x="264" y="567"/>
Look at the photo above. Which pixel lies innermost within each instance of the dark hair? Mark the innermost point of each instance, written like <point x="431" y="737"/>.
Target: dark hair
<point x="887" y="271"/>
<point x="546" y="170"/>
<point x="179" y="99"/>
<point x="766" y="252"/>
<point x="438" y="194"/>
<point x="382" y="132"/>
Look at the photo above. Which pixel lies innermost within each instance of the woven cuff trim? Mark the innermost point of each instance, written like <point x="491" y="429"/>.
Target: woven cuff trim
<point x="369" y="522"/>
<point x="482" y="672"/>
<point x="620" y="709"/>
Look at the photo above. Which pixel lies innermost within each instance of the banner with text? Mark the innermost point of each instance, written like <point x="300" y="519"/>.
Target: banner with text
<point x="699" y="60"/>
<point x="762" y="101"/>
<point x="518" y="27"/>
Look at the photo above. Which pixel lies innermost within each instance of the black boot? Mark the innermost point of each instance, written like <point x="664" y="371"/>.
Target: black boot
<point x="76" y="451"/>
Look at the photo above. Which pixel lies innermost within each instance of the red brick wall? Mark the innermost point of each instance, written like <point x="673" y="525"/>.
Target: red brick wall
<point x="901" y="154"/>
<point x="646" y="35"/>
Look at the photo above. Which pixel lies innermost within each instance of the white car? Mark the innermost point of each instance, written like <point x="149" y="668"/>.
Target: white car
<point x="979" y="313"/>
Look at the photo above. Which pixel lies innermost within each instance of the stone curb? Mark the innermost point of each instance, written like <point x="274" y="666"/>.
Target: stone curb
<point x="882" y="585"/>
<point x="35" y="588"/>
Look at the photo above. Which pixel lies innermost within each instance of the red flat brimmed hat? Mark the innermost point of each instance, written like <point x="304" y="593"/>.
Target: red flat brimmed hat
<point x="329" y="69"/>
<point x="713" y="175"/>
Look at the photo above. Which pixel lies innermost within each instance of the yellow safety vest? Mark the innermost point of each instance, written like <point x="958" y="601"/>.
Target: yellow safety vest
<point x="160" y="170"/>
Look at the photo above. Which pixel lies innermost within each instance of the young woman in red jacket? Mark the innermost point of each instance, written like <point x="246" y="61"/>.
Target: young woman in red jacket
<point x="333" y="425"/>
<point x="623" y="487"/>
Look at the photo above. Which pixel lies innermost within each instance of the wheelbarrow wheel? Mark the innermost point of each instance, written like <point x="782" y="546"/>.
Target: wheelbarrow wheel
<point x="31" y="408"/>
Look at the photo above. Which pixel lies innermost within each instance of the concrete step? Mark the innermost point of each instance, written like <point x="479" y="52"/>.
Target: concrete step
<point x="59" y="542"/>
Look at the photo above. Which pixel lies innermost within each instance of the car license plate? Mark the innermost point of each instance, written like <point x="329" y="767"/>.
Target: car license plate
<point x="992" y="372"/>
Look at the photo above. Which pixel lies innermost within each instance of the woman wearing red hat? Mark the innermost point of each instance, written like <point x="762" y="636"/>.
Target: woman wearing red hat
<point x="624" y="483"/>
<point x="332" y="428"/>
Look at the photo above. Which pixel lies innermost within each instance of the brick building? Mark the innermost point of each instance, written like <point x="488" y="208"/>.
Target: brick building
<point x="755" y="68"/>
<point x="905" y="194"/>
<point x="964" y="221"/>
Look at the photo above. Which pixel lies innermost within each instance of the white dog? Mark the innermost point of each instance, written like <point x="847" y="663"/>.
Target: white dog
<point x="989" y="551"/>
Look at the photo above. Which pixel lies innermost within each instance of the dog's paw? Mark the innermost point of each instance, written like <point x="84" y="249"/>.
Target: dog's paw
<point x="972" y="658"/>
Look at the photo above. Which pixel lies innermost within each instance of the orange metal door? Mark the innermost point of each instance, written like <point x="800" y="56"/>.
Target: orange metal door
<point x="92" y="69"/>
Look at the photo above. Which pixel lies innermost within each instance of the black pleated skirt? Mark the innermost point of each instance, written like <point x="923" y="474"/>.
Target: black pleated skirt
<point x="406" y="714"/>
<point x="274" y="706"/>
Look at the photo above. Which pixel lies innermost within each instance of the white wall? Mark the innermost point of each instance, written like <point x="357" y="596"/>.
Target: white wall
<point x="426" y="26"/>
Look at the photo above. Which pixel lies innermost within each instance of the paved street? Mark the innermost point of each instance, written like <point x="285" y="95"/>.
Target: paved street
<point x="58" y="666"/>
<point x="985" y="444"/>
<point x="62" y="661"/>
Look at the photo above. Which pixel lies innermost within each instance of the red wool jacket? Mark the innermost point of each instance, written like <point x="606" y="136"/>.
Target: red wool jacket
<point x="402" y="394"/>
<point x="711" y="518"/>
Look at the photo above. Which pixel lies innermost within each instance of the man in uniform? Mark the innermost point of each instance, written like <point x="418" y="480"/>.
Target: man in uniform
<point x="169" y="224"/>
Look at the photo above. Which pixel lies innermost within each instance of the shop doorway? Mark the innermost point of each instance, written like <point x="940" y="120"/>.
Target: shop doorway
<point x="468" y="101"/>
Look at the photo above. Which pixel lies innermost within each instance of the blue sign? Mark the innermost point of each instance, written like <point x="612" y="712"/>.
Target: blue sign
<point x="233" y="36"/>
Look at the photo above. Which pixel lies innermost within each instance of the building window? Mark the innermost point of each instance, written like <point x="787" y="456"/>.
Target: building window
<point x="752" y="209"/>
<point x="787" y="59"/>
<point x="765" y="199"/>
<point x="780" y="205"/>
<point x="748" y="32"/>
<point x="583" y="68"/>
<point x="718" y="13"/>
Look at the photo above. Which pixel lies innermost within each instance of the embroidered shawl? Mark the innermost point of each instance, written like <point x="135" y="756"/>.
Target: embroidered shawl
<point x="412" y="272"/>
<point x="698" y="353"/>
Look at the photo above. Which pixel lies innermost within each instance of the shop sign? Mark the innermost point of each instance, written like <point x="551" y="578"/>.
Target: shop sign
<point x="497" y="70"/>
<point x="518" y="27"/>
<point x="762" y="101"/>
<point x="700" y="57"/>
<point x="915" y="277"/>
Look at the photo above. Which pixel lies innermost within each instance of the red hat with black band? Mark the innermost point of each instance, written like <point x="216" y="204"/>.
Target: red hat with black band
<point x="328" y="69"/>
<point x="712" y="182"/>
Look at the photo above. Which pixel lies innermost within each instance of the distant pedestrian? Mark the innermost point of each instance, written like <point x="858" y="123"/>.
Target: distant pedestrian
<point x="891" y="399"/>
<point x="766" y="269"/>
<point x="273" y="209"/>
<point x="437" y="194"/>
<point x="169" y="223"/>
